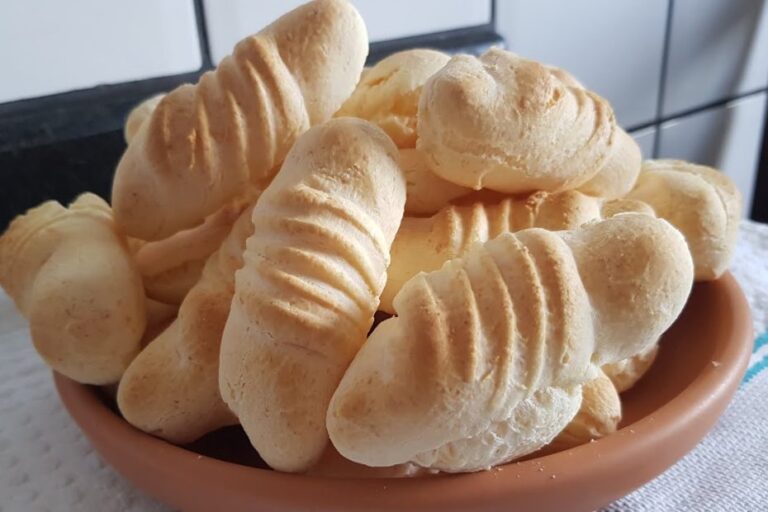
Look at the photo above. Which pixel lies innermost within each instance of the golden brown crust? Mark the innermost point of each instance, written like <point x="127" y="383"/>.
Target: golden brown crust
<point x="509" y="124"/>
<point x="305" y="298"/>
<point x="619" y="173"/>
<point x="138" y="115"/>
<point x="159" y="316"/>
<point x="204" y="143"/>
<point x="424" y="244"/>
<point x="520" y="313"/>
<point x="701" y="202"/>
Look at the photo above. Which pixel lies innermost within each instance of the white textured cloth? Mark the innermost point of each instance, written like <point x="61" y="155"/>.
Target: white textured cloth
<point x="728" y="470"/>
<point x="47" y="465"/>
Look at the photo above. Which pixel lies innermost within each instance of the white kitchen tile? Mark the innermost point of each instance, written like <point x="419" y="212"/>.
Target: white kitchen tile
<point x="614" y="47"/>
<point x="52" y="46"/>
<point x="728" y="138"/>
<point x="717" y="49"/>
<point x="646" y="139"/>
<point x="230" y="21"/>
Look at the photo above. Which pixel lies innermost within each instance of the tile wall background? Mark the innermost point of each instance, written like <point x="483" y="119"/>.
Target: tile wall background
<point x="688" y="78"/>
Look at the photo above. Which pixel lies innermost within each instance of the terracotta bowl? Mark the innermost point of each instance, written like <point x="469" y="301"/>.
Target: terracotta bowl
<point x="700" y="364"/>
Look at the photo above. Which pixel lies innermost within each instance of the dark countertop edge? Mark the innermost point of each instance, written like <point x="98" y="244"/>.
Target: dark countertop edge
<point x="72" y="115"/>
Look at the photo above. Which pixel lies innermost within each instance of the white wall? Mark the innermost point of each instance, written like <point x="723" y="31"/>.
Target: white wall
<point x="718" y="50"/>
<point x="52" y="46"/>
<point x="230" y="21"/>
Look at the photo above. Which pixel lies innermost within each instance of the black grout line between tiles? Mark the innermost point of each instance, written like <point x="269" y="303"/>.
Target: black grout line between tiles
<point x="663" y="77"/>
<point x="658" y="123"/>
<point x="202" y="32"/>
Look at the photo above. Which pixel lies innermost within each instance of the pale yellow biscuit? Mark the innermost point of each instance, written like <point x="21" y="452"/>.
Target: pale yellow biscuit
<point x="171" y="389"/>
<point x="71" y="275"/>
<point x="306" y="296"/>
<point x="204" y="143"/>
<point x="521" y="313"/>
<point x="388" y="93"/>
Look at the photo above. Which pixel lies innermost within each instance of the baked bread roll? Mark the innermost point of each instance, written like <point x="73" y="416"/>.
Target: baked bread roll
<point x="70" y="274"/>
<point x="509" y="124"/>
<point x="599" y="415"/>
<point x="139" y="114"/>
<point x="171" y="389"/>
<point x="426" y="192"/>
<point x="624" y="374"/>
<point x="171" y="267"/>
<point x="388" y="94"/>
<point x="619" y="174"/>
<point x="424" y="244"/>
<point x="521" y="313"/>
<point x="703" y="203"/>
<point x="204" y="143"/>
<point x="699" y="201"/>
<point x="306" y="296"/>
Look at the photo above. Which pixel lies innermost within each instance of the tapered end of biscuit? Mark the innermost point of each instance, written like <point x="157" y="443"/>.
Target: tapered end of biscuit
<point x="314" y="38"/>
<point x="703" y="203"/>
<point x="638" y="273"/>
<point x="138" y="115"/>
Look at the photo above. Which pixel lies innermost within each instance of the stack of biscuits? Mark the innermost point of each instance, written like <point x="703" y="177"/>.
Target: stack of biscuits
<point x="521" y="258"/>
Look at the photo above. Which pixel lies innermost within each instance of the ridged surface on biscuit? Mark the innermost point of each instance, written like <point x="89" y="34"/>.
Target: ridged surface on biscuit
<point x="138" y="115"/>
<point x="72" y="277"/>
<point x="699" y="201"/>
<point x="520" y="313"/>
<point x="306" y="295"/>
<point x="204" y="143"/>
<point x="619" y="173"/>
<point x="424" y="244"/>
<point x="509" y="124"/>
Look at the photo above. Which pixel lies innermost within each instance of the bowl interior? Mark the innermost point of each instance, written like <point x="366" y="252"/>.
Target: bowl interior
<point x="674" y="369"/>
<point x="699" y="366"/>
